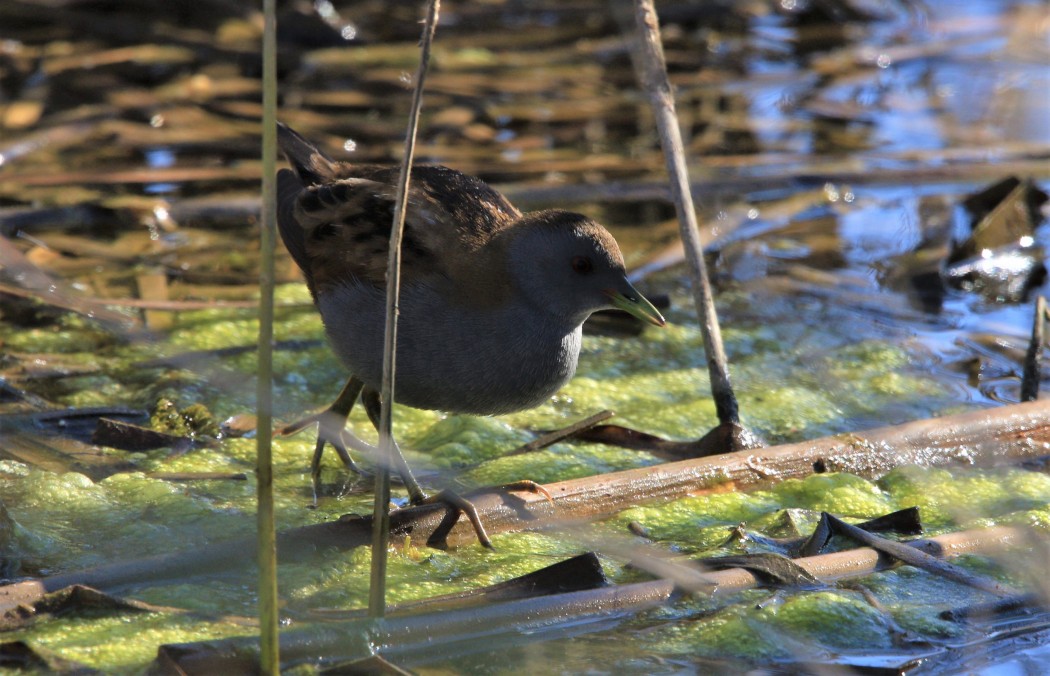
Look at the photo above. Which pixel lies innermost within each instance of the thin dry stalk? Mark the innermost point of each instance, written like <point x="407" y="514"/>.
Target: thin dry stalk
<point x="1030" y="381"/>
<point x="381" y="511"/>
<point x="270" y="662"/>
<point x="653" y="72"/>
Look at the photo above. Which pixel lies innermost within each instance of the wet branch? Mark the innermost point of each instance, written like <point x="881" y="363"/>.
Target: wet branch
<point x="978" y="438"/>
<point x="653" y="72"/>
<point x="413" y="636"/>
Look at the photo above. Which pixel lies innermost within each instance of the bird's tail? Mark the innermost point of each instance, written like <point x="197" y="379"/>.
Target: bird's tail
<point x="312" y="165"/>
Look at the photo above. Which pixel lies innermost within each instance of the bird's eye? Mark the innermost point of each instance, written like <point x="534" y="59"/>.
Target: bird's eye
<point x="582" y="264"/>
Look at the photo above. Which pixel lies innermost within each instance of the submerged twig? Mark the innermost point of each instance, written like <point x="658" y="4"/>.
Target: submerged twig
<point x="1004" y="604"/>
<point x="801" y="174"/>
<point x="583" y="571"/>
<point x="38" y="285"/>
<point x="549" y="438"/>
<point x="905" y="521"/>
<point x="198" y="476"/>
<point x="774" y="570"/>
<point x="60" y="455"/>
<point x="447" y="632"/>
<point x="75" y="599"/>
<point x="1030" y="380"/>
<point x="207" y="358"/>
<point x="916" y="557"/>
<point x="130" y="437"/>
<point x="381" y="511"/>
<point x="88" y="305"/>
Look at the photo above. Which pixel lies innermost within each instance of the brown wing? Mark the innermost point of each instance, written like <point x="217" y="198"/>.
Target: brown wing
<point x="345" y="228"/>
<point x="335" y="218"/>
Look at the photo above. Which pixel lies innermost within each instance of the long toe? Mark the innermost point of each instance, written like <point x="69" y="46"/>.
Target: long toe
<point x="528" y="486"/>
<point x="299" y="425"/>
<point x="457" y="505"/>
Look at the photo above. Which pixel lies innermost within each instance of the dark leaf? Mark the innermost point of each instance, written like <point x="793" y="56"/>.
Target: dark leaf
<point x="773" y="569"/>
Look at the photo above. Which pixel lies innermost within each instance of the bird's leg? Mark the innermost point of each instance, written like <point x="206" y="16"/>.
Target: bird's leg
<point x="370" y="398"/>
<point x="459" y="504"/>
<point x="331" y="424"/>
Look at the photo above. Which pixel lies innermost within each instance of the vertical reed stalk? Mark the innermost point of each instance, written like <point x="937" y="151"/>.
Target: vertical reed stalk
<point x="1030" y="379"/>
<point x="269" y="656"/>
<point x="652" y="69"/>
<point x="381" y="511"/>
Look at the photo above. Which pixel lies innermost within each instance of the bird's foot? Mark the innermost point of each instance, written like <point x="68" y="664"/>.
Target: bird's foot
<point x="461" y="505"/>
<point x="527" y="486"/>
<point x="331" y="429"/>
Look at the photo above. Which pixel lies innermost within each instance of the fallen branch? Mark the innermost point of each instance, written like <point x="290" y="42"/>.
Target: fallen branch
<point x="981" y="437"/>
<point x="422" y="637"/>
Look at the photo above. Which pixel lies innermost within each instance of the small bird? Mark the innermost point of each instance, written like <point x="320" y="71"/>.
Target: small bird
<point x="492" y="300"/>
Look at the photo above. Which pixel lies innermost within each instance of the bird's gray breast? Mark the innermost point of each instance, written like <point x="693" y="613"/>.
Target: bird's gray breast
<point x="465" y="360"/>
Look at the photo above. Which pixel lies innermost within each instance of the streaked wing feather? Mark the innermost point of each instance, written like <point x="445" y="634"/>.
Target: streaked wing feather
<point x="335" y="218"/>
<point x="346" y="226"/>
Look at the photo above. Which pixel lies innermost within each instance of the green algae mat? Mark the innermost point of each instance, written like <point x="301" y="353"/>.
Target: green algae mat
<point x="60" y="522"/>
<point x="832" y="145"/>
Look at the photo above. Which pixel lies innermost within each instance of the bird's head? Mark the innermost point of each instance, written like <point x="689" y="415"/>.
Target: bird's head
<point x="570" y="266"/>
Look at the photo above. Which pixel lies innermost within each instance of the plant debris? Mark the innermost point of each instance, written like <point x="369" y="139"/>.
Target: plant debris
<point x="999" y="258"/>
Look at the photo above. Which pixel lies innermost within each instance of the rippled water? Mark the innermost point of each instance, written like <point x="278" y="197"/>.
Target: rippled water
<point x="828" y="158"/>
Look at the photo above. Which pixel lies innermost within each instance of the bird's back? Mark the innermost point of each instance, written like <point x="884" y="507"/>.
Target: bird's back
<point x="335" y="217"/>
